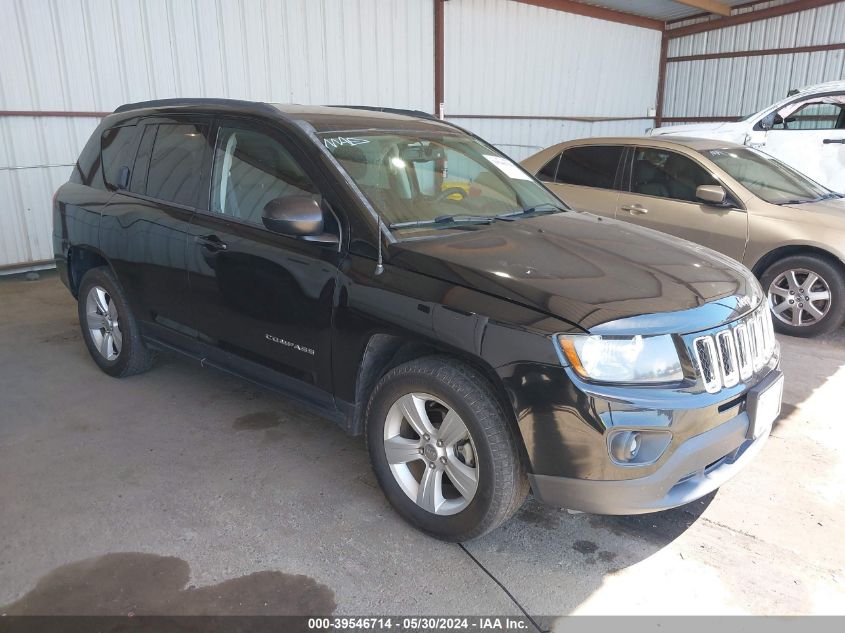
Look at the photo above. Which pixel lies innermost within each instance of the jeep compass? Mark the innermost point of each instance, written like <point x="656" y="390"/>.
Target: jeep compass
<point x="405" y="279"/>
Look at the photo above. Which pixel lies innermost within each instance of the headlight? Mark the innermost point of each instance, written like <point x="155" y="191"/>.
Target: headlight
<point x="633" y="359"/>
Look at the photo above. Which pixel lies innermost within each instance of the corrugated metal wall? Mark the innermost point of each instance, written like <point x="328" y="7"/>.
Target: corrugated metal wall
<point x="93" y="55"/>
<point x="742" y="85"/>
<point x="513" y="59"/>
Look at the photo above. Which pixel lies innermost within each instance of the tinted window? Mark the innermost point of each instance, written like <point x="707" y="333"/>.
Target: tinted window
<point x="667" y="174"/>
<point x="549" y="170"/>
<point x="250" y="170"/>
<point x="176" y="163"/>
<point x="138" y="183"/>
<point x="118" y="150"/>
<point x="593" y="166"/>
<point x="88" y="169"/>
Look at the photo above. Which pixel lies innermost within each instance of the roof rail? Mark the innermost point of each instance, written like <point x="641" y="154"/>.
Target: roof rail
<point x="193" y="101"/>
<point x="414" y="113"/>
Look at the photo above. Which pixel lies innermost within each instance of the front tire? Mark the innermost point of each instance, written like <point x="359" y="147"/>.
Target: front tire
<point x="806" y="295"/>
<point x="442" y="449"/>
<point x="108" y="327"/>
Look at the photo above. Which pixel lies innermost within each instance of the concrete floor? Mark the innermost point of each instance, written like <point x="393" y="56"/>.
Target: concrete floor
<point x="187" y="491"/>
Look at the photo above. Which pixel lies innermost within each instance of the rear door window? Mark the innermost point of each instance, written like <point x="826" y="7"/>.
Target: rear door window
<point x="590" y="166"/>
<point x="138" y="182"/>
<point x="176" y="160"/>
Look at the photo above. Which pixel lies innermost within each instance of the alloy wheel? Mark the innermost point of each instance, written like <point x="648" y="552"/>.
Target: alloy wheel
<point x="431" y="453"/>
<point x="799" y="297"/>
<point x="103" y="323"/>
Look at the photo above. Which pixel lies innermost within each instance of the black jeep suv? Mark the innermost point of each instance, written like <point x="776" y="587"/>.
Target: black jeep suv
<point x="407" y="280"/>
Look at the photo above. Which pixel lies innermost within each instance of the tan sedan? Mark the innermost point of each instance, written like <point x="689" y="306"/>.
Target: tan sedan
<point x="734" y="199"/>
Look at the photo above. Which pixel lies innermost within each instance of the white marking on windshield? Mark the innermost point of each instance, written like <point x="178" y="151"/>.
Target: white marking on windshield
<point x="340" y="141"/>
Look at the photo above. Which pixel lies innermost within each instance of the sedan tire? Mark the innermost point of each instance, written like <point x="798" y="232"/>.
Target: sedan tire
<point x="806" y="295"/>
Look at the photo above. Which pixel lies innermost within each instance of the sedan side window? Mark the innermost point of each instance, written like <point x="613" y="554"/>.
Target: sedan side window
<point x="549" y="171"/>
<point x="667" y="174"/>
<point x="250" y="170"/>
<point x="590" y="166"/>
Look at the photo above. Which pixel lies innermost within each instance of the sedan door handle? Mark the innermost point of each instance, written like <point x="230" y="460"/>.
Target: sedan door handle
<point x="828" y="141"/>
<point x="211" y="242"/>
<point x="634" y="209"/>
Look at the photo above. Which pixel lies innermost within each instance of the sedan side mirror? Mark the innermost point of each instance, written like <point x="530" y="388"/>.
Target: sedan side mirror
<point x="711" y="194"/>
<point x="296" y="216"/>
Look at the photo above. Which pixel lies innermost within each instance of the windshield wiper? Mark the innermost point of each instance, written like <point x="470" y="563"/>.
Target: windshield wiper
<point x="444" y="220"/>
<point x="540" y="208"/>
<point x="798" y="201"/>
<point x="463" y="218"/>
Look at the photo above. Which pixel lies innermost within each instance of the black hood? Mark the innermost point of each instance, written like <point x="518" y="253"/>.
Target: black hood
<point x="579" y="267"/>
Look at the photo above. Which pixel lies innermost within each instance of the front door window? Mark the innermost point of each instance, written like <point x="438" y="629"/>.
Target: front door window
<point x="250" y="170"/>
<point x="666" y="174"/>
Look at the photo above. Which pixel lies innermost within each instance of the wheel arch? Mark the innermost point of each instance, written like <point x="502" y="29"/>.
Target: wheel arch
<point x="81" y="259"/>
<point x="790" y="250"/>
<point x="384" y="351"/>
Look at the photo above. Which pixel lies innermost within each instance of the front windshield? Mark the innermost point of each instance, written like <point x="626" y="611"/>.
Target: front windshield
<point x="766" y="177"/>
<point x="416" y="180"/>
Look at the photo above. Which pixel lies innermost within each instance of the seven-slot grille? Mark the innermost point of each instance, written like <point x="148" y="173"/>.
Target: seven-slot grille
<point x="736" y="352"/>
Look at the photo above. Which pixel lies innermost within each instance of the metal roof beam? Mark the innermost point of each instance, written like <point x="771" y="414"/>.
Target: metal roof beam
<point x="591" y="11"/>
<point x="711" y="6"/>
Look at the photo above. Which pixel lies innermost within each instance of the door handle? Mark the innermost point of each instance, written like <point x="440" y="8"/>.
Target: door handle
<point x="211" y="242"/>
<point x="634" y="209"/>
<point x="828" y="141"/>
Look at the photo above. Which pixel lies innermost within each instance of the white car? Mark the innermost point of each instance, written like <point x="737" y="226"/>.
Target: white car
<point x="806" y="130"/>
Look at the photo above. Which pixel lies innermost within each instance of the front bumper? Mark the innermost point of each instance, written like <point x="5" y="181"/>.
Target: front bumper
<point x="698" y="466"/>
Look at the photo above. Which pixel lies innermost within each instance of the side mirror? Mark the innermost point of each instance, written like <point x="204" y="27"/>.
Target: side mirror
<point x="711" y="194"/>
<point x="297" y="216"/>
<point x="770" y="120"/>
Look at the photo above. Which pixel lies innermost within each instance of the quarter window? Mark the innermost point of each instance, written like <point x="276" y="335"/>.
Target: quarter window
<point x="593" y="166"/>
<point x="118" y="149"/>
<point x="89" y="166"/>
<point x="176" y="163"/>
<point x="549" y="171"/>
<point x="250" y="170"/>
<point x="666" y="174"/>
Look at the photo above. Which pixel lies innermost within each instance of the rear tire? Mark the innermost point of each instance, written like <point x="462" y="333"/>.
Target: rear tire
<point x="815" y="309"/>
<point x="108" y="327"/>
<point x="471" y="461"/>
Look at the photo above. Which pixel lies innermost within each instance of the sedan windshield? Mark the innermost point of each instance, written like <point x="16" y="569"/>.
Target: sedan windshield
<point x="766" y="177"/>
<point x="416" y="180"/>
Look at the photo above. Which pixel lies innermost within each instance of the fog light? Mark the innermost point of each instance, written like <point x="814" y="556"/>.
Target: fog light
<point x="637" y="448"/>
<point x="624" y="446"/>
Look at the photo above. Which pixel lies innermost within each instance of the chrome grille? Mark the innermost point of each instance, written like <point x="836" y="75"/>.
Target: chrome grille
<point x="735" y="353"/>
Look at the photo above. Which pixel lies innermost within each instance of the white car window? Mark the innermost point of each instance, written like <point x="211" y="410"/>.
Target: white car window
<point x="818" y="113"/>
